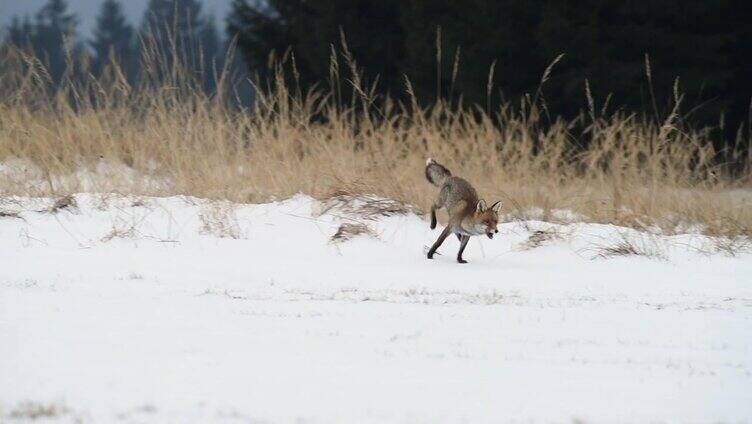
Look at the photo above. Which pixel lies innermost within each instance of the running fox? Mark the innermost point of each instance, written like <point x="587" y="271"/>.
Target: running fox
<point x="468" y="215"/>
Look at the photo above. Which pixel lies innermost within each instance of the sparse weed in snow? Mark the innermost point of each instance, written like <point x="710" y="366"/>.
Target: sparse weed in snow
<point x="121" y="229"/>
<point x="125" y="228"/>
<point x="103" y="202"/>
<point x="27" y="240"/>
<point x="539" y="238"/>
<point x="732" y="245"/>
<point x="642" y="244"/>
<point x="219" y="219"/>
<point x="7" y="214"/>
<point x="37" y="411"/>
<point x="139" y="203"/>
<point x="63" y="203"/>
<point x="347" y="231"/>
<point x="363" y="206"/>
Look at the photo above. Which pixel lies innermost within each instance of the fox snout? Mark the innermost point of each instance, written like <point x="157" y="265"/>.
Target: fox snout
<point x="490" y="234"/>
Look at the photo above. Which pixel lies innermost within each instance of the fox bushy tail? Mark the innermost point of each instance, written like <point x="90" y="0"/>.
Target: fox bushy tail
<point x="436" y="173"/>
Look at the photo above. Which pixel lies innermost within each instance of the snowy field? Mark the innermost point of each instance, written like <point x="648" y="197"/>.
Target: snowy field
<point x="126" y="310"/>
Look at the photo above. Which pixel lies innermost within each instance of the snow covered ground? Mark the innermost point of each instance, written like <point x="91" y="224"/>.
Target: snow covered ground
<point x="180" y="310"/>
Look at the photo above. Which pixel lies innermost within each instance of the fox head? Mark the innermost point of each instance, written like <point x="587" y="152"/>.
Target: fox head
<point x="487" y="218"/>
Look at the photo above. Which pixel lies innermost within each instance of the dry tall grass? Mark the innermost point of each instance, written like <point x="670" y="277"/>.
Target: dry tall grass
<point x="173" y="139"/>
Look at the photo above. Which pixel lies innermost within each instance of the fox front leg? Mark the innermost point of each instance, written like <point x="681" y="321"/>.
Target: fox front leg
<point x="442" y="237"/>
<point x="463" y="243"/>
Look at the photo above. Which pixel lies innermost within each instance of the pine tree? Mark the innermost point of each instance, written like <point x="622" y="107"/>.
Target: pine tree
<point x="174" y="28"/>
<point x="209" y="43"/>
<point x="373" y="33"/>
<point x="20" y="32"/>
<point x="179" y="20"/>
<point x="53" y="34"/>
<point x="112" y="35"/>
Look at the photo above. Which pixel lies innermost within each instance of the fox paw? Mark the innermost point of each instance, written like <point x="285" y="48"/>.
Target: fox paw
<point x="462" y="261"/>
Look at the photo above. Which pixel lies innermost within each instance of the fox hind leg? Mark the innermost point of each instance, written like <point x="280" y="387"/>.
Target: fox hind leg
<point x="433" y="216"/>
<point x="440" y="202"/>
<point x="442" y="237"/>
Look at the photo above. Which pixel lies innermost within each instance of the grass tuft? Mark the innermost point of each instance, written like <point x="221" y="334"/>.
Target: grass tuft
<point x="364" y="206"/>
<point x="219" y="219"/>
<point x="350" y="230"/>
<point x="542" y="237"/>
<point x="63" y="203"/>
<point x="640" y="245"/>
<point x="7" y="214"/>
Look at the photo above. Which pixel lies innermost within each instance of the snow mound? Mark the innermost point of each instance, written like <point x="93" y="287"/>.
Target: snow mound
<point x="124" y="309"/>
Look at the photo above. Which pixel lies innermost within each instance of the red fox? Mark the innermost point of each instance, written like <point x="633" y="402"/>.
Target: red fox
<point x="468" y="215"/>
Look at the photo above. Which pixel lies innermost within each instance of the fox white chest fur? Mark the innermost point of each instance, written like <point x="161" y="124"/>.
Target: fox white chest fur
<point x="470" y="228"/>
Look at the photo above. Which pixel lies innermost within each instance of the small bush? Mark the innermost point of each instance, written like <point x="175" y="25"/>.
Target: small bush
<point x="347" y="231"/>
<point x="539" y="238"/>
<point x="642" y="245"/>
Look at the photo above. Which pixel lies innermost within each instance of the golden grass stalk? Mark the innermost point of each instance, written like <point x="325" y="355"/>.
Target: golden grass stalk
<point x="165" y="136"/>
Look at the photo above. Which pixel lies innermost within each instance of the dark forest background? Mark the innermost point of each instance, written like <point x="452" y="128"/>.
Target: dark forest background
<point x="167" y="26"/>
<point x="706" y="45"/>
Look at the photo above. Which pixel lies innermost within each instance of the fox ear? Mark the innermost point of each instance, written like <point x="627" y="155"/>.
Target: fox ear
<point x="480" y="206"/>
<point x="496" y="207"/>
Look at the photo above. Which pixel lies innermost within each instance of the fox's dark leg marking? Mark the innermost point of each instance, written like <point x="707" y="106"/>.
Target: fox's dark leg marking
<point x="433" y="217"/>
<point x="442" y="237"/>
<point x="463" y="243"/>
<point x="459" y="236"/>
